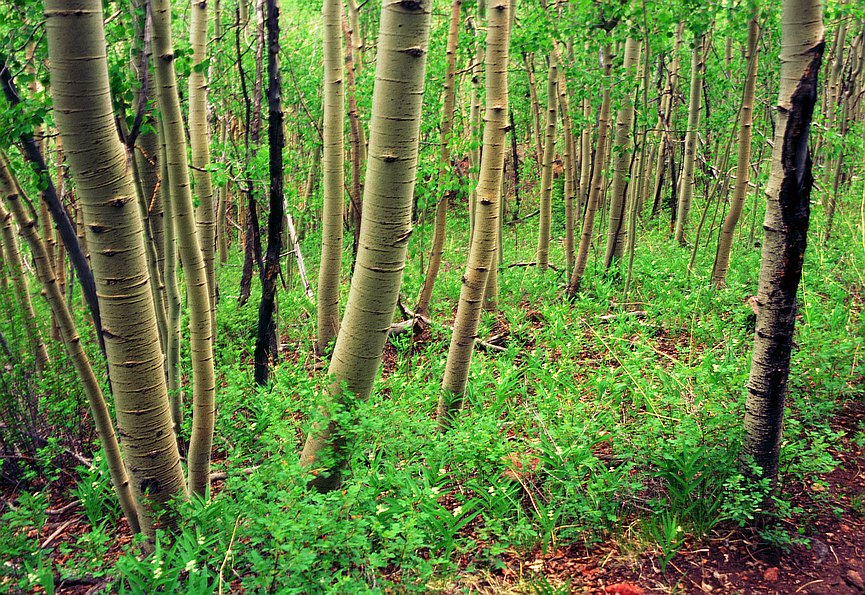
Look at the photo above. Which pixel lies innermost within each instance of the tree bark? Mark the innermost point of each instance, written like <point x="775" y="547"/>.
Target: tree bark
<point x="543" y="251"/>
<point x="484" y="244"/>
<point x="447" y="121"/>
<point x="84" y="117"/>
<point x="78" y="254"/>
<point x="596" y="189"/>
<point x="743" y="163"/>
<point x="623" y="151"/>
<point x="189" y="249"/>
<point x="333" y="158"/>
<point x="72" y="342"/>
<point x="686" y="181"/>
<point x="266" y="336"/>
<point x="785" y="236"/>
<point x="199" y="141"/>
<point x="22" y="291"/>
<point x="390" y="181"/>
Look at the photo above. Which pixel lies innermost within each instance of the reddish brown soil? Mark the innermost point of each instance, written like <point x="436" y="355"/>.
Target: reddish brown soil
<point x="731" y="560"/>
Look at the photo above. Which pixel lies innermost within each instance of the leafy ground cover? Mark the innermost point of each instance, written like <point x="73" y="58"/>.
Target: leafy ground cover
<point x="597" y="451"/>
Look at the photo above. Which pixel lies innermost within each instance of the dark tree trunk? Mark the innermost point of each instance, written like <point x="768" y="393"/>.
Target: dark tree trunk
<point x="266" y="326"/>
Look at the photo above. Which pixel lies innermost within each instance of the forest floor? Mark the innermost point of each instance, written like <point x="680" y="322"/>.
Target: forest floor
<point x="559" y="477"/>
<point x="730" y="559"/>
<point x="830" y="560"/>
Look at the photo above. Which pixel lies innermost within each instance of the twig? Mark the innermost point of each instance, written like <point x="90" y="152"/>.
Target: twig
<point x="227" y="554"/>
<point x="632" y="314"/>
<point x="530" y="264"/>
<point x="412" y="318"/>
<point x="529" y="216"/>
<point x="57" y="532"/>
<point x="62" y="509"/>
<point x="218" y="475"/>
<point x="301" y="267"/>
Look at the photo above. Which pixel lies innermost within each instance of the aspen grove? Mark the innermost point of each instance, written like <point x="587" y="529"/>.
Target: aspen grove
<point x="450" y="296"/>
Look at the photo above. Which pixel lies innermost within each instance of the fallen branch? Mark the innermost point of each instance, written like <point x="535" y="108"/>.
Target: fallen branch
<point x="301" y="268"/>
<point x="412" y="319"/>
<point x="57" y="532"/>
<point x="529" y="264"/>
<point x="219" y="475"/>
<point x="633" y="314"/>
<point x="62" y="509"/>
<point x="529" y="216"/>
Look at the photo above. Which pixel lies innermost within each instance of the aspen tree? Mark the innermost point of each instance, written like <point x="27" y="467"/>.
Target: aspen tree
<point x="833" y="89"/>
<point x="476" y="69"/>
<point x="84" y="116"/>
<point x="222" y="226"/>
<point x="597" y="181"/>
<point x="199" y="142"/>
<point x="72" y="342"/>
<point x="447" y="121"/>
<point x="358" y="141"/>
<point x="358" y="45"/>
<point x="686" y="182"/>
<point x="22" y="292"/>
<point x="189" y="249"/>
<point x="482" y="252"/>
<point x="568" y="157"/>
<point x="73" y="239"/>
<point x="546" y="203"/>
<point x="665" y="120"/>
<point x="743" y="163"/>
<point x="585" y="158"/>
<point x="643" y="159"/>
<point x="785" y="228"/>
<point x="390" y="180"/>
<point x="333" y="177"/>
<point x="528" y="60"/>
<point x="172" y="296"/>
<point x="265" y="342"/>
<point x="624" y="149"/>
<point x="141" y="142"/>
<point x="145" y="183"/>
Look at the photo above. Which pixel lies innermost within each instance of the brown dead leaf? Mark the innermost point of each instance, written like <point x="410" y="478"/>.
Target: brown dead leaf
<point x="623" y="589"/>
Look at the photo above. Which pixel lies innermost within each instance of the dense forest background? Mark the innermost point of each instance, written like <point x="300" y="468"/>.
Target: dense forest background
<point x="432" y="295"/>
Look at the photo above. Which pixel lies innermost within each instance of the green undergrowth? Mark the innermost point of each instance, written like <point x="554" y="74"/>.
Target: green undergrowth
<point x="583" y="429"/>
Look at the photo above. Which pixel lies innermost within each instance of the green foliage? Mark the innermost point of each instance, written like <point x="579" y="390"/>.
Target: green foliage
<point x="96" y="494"/>
<point x="580" y="429"/>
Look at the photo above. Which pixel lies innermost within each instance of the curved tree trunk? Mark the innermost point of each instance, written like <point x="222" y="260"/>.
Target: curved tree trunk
<point x="199" y="141"/>
<point x="546" y="203"/>
<point x="390" y="180"/>
<point x="686" y="182"/>
<point x="72" y="342"/>
<point x="333" y="178"/>
<point x="597" y="184"/>
<point x="72" y="238"/>
<point x="84" y="117"/>
<point x="482" y="254"/>
<point x="448" y="102"/>
<point x="22" y="292"/>
<point x="189" y="249"/>
<point x="266" y="337"/>
<point x="623" y="151"/>
<point x="785" y="235"/>
<point x="743" y="164"/>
